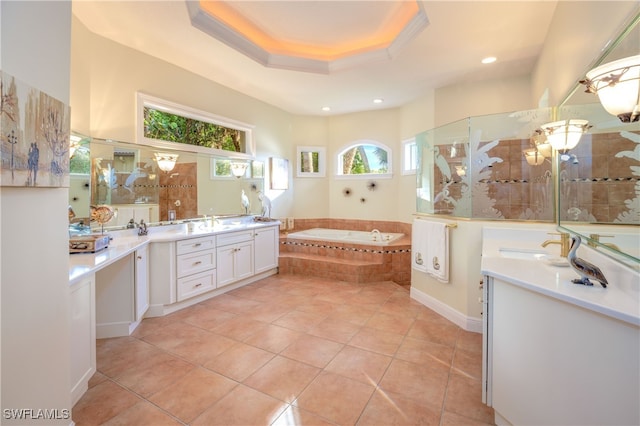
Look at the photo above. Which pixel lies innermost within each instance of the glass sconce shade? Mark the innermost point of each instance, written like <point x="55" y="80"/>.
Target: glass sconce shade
<point x="165" y="161"/>
<point x="533" y="157"/>
<point x="239" y="168"/>
<point x="617" y="85"/>
<point x="461" y="170"/>
<point x="565" y="134"/>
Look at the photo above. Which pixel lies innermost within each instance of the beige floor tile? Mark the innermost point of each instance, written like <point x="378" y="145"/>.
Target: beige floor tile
<point x="388" y="408"/>
<point x="425" y="353"/>
<point x="468" y="364"/>
<point x="143" y="413"/>
<point x="391" y="323"/>
<point x="207" y="317"/>
<point x="318" y="344"/>
<point x="379" y="341"/>
<point x="228" y="303"/>
<point x="273" y="338"/>
<point x="419" y="383"/>
<point x="358" y="364"/>
<point x="204" y="348"/>
<point x="435" y="331"/>
<point x="113" y="356"/>
<point x="282" y="378"/>
<point x="294" y="416"/>
<point x="243" y="406"/>
<point x="101" y="403"/>
<point x="239" y="361"/>
<point x="157" y="373"/>
<point x="334" y="329"/>
<point x="239" y="327"/>
<point x="337" y="398"/>
<point x="193" y="393"/>
<point x="300" y="321"/>
<point x="464" y="397"/>
<point x="312" y="350"/>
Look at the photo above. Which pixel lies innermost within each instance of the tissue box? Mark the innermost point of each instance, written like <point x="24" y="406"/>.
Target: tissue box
<point x="88" y="243"/>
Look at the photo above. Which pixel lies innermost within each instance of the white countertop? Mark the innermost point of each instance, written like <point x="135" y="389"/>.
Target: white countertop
<point x="620" y="300"/>
<point x="127" y="241"/>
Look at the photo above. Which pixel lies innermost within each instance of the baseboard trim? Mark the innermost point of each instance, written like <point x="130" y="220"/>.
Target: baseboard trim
<point x="458" y="318"/>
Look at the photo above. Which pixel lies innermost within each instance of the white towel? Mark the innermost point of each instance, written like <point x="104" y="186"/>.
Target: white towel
<point x="437" y="260"/>
<point x="430" y="248"/>
<point x="419" y="245"/>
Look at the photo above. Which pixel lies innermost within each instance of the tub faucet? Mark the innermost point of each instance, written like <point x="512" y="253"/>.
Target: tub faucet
<point x="375" y="234"/>
<point x="564" y="241"/>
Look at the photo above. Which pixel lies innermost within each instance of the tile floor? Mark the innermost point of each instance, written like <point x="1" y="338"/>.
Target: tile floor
<point x="291" y="350"/>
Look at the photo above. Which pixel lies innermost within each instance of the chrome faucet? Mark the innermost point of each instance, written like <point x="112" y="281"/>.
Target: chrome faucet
<point x="375" y="234"/>
<point x="596" y="239"/>
<point x="564" y="242"/>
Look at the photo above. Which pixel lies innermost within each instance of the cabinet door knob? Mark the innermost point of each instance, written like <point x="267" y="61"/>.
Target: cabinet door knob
<point x="139" y="257"/>
<point x="198" y="285"/>
<point x="197" y="244"/>
<point x="197" y="263"/>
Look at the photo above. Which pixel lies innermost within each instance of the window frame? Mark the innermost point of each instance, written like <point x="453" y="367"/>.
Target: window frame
<point x="345" y="148"/>
<point x="322" y="161"/>
<point x="412" y="145"/>
<point x="144" y="100"/>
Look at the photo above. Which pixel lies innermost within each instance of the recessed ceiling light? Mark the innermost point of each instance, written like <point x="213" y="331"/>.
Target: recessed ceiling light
<point x="489" y="60"/>
<point x="326" y="108"/>
<point x="378" y="101"/>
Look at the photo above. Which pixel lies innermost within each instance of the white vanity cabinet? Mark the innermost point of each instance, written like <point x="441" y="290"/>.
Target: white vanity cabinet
<point x="266" y="249"/>
<point x="235" y="255"/>
<point x="552" y="362"/>
<point x="195" y="266"/>
<point x="83" y="335"/>
<point x="141" y="282"/>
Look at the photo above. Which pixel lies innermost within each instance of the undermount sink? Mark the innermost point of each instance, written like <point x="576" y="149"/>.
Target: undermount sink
<point x="517" y="253"/>
<point x="533" y="254"/>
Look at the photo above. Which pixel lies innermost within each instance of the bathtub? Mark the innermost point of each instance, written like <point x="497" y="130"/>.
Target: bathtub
<point x="345" y="236"/>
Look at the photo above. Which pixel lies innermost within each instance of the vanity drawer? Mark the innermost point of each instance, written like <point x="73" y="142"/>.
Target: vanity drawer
<point x="199" y="261"/>
<point x="196" y="244"/>
<point x="196" y="284"/>
<point x="235" y="237"/>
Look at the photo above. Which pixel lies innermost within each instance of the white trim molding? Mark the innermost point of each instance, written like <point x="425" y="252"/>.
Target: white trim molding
<point x="458" y="318"/>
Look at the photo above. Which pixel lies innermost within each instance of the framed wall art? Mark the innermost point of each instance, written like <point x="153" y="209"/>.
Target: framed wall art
<point x="34" y="136"/>
<point x="311" y="161"/>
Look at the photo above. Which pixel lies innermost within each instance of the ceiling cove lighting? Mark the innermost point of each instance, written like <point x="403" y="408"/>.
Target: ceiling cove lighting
<point x="564" y="135"/>
<point x="166" y="161"/>
<point x="617" y="85"/>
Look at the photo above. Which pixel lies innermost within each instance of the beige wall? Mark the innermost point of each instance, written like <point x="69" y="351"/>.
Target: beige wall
<point x="35" y="340"/>
<point x="579" y="31"/>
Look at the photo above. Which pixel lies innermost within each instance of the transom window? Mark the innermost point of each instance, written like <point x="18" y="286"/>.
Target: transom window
<point x="164" y="121"/>
<point x="364" y="158"/>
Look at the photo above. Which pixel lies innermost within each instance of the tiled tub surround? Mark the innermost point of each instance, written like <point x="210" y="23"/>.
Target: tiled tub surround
<point x="356" y="263"/>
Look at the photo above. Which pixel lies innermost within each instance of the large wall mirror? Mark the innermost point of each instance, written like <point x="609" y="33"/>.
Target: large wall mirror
<point x="158" y="185"/>
<point x="599" y="179"/>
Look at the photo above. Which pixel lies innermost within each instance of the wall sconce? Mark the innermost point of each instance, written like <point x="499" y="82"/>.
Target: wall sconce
<point x="239" y="168"/>
<point x="564" y="135"/>
<point x="461" y="170"/>
<point x="617" y="85"/>
<point x="533" y="157"/>
<point x="165" y="161"/>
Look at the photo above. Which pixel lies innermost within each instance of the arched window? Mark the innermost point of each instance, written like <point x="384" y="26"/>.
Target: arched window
<point x="364" y="158"/>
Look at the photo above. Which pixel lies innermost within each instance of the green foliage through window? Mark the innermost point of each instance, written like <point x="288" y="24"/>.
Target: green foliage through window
<point x="364" y="159"/>
<point x="175" y="128"/>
